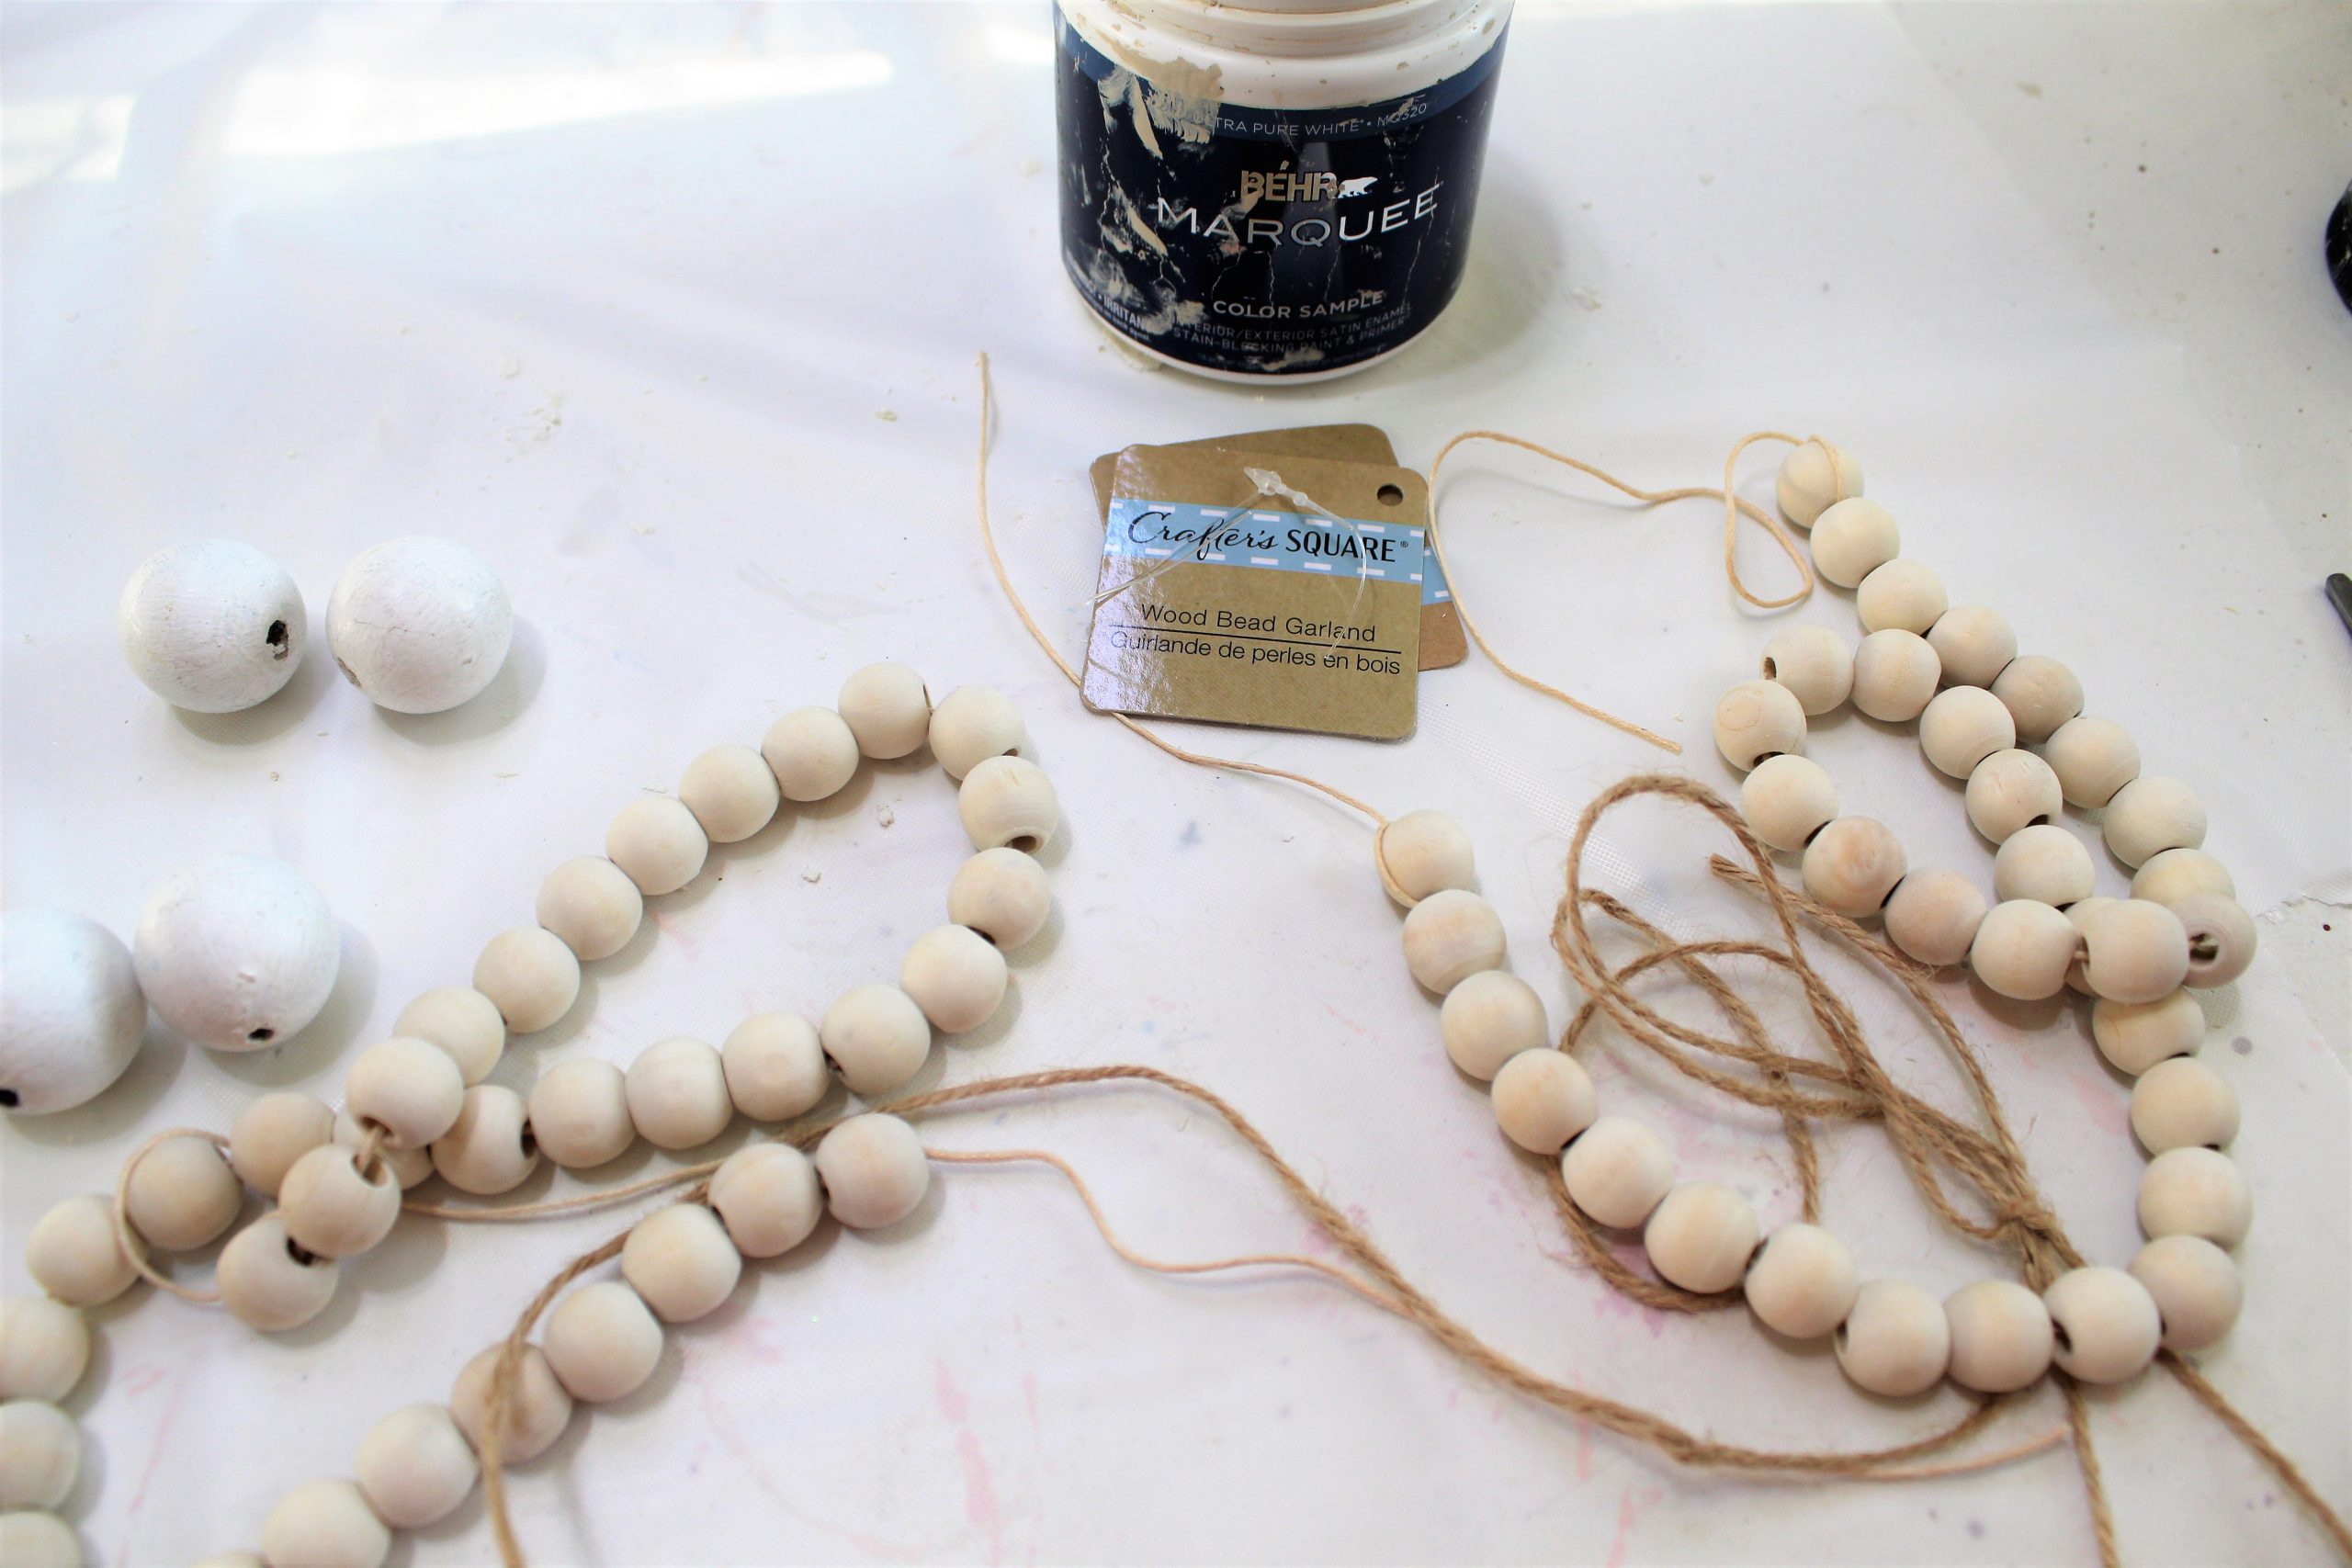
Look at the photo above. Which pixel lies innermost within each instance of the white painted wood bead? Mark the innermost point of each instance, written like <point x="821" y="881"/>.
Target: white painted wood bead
<point x="1933" y="916"/>
<point x="956" y="975"/>
<point x="603" y="1342"/>
<point x="875" y="1037"/>
<point x="71" y="1012"/>
<point x="2135" y="1036"/>
<point x="1803" y="1282"/>
<point x="44" y="1348"/>
<point x="410" y="1167"/>
<point x="677" y="1094"/>
<point x="1787" y="799"/>
<point x="237" y="952"/>
<point x="1852" y="866"/>
<point x="529" y="975"/>
<point x="2170" y="875"/>
<point x="2134" y="950"/>
<point x="408" y="1090"/>
<point x="326" y="1524"/>
<point x="213" y="627"/>
<point x="1901" y="595"/>
<point x="973" y="724"/>
<point x="2220" y="938"/>
<point x="2196" y="1288"/>
<point x="267" y="1282"/>
<point x="2045" y="863"/>
<point x="874" y="1171"/>
<point x="1813" y="663"/>
<point x="1896" y="1341"/>
<point x="1423" y="853"/>
<point x="538" y="1410"/>
<point x="2182" y="1103"/>
<point x="592" y="903"/>
<point x="1894" y="675"/>
<point x="2041" y="694"/>
<point x="40" y="1454"/>
<point x="1813" y="476"/>
<point x="1008" y="802"/>
<point x="463" y="1023"/>
<point x="1757" y="719"/>
<point x="812" y="752"/>
<point x="182" y="1195"/>
<point x="271" y="1132"/>
<point x="2150" y="815"/>
<point x="887" y="707"/>
<point x="767" y="1197"/>
<point x="2093" y="759"/>
<point x="1702" y="1233"/>
<point x="2103" y="1325"/>
<point x="29" y="1538"/>
<point x="1490" y="1018"/>
<point x="1002" y="894"/>
<point x="419" y="623"/>
<point x="2010" y="791"/>
<point x="415" y="1466"/>
<point x="74" y="1254"/>
<point x="2023" y="950"/>
<point x="1973" y="644"/>
<point x="578" y="1111"/>
<point x="1543" y="1099"/>
<point x="490" y="1150"/>
<point x="1449" y="936"/>
<point x="1616" y="1171"/>
<point x="332" y="1208"/>
<point x="680" y="1261"/>
<point x="1964" y="726"/>
<point x="1853" y="539"/>
<point x="2195" y="1191"/>
<point x="731" y="790"/>
<point x="658" y="843"/>
<point x="774" y="1066"/>
<point x="2000" y="1335"/>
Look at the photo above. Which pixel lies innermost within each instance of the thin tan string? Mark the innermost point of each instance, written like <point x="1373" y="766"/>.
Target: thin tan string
<point x="135" y="1250"/>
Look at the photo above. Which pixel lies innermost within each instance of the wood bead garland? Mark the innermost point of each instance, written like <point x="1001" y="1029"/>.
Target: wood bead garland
<point x="1449" y="936"/>
<point x="580" y="1115"/>
<point x="44" y="1348"/>
<point x="973" y="724"/>
<point x="2195" y="1191"/>
<point x="2001" y="1339"/>
<point x="1787" y="799"/>
<point x="75" y="1255"/>
<point x="489" y="1149"/>
<point x="1934" y="916"/>
<point x="2196" y="1288"/>
<point x="874" y="1171"/>
<point x="602" y="1342"/>
<point x="876" y="1038"/>
<point x="415" y="1466"/>
<point x="325" y="1524"/>
<point x="529" y="975"/>
<point x="2010" y="791"/>
<point x="1812" y="477"/>
<point x="956" y="975"/>
<point x="731" y="793"/>
<point x="592" y="905"/>
<point x="812" y="751"/>
<point x="677" y="1094"/>
<point x="32" y="1539"/>
<point x="1008" y="803"/>
<point x="768" y="1198"/>
<point x="2103" y="1325"/>
<point x="1853" y="539"/>
<point x="1757" y="719"/>
<point x="535" y="1415"/>
<point x="40" y="1454"/>
<point x="887" y="709"/>
<point x="182" y="1195"/>
<point x="1700" y="1236"/>
<point x="267" y="1282"/>
<point x="1803" y="1283"/>
<point x="1895" y="1341"/>
<point x="465" y="1023"/>
<point x="1900" y="595"/>
<point x="1002" y="894"/>
<point x="1543" y="1099"/>
<point x="1488" y="1018"/>
<point x="774" y="1067"/>
<point x="2150" y="814"/>
<point x="1894" y="675"/>
<point x="1421" y="853"/>
<point x="331" y="1207"/>
<point x="2041" y="694"/>
<point x="658" y="843"/>
<point x="1815" y="664"/>
<point x="1852" y="866"/>
<point x="1961" y="726"/>
<point x="1973" y="644"/>
<point x="273" y="1132"/>
<point x="2169" y="876"/>
<point x="1617" y="1171"/>
<point x="2044" y="863"/>
<point x="2093" y="759"/>
<point x="2220" y="936"/>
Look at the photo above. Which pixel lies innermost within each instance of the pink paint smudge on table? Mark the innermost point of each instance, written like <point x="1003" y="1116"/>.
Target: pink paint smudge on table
<point x="2102" y="1103"/>
<point x="1629" y="1512"/>
<point x="669" y="928"/>
<point x="1584" y="1451"/>
<point x="981" y="1510"/>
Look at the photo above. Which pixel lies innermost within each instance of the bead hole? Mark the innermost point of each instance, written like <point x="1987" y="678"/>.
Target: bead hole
<point x="2202" y="948"/>
<point x="7" y="1099"/>
<point x="2058" y="1333"/>
<point x="528" y="1142"/>
<point x="1837" y="1338"/>
<point x="303" y="1257"/>
<point x="1772" y="667"/>
<point x="1026" y="844"/>
<point x="2037" y="820"/>
<point x="262" y="1036"/>
<point x="278" y="639"/>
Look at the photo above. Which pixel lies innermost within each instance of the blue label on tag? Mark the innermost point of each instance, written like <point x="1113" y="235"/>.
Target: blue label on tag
<point x="1254" y="537"/>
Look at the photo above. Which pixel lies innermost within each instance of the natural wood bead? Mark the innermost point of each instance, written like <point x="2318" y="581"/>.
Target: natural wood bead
<point x="875" y="1037"/>
<point x="774" y="1067"/>
<point x="874" y="1171"/>
<point x="1894" y="675"/>
<point x="74" y="1254"/>
<point x="2195" y="1191"/>
<point x="2103" y="1325"/>
<point x="2023" y="949"/>
<point x="657" y="843"/>
<point x="1933" y="916"/>
<point x="415" y="1466"/>
<point x="972" y="724"/>
<point x="40" y="1454"/>
<point x="2182" y="1103"/>
<point x="2000" y="1335"/>
<point x="409" y="1167"/>
<point x="1616" y="1171"/>
<point x="1757" y="719"/>
<point x="326" y="1524"/>
<point x="462" y="1021"/>
<point x="332" y="1208"/>
<point x="29" y="1538"/>
<point x="1813" y="662"/>
<point x="1543" y="1099"/>
<point x="1901" y="595"/>
<point x="767" y="1197"/>
<point x="2041" y="694"/>
<point x="592" y="903"/>
<point x="677" y="1094"/>
<point x="1787" y="799"/>
<point x="887" y="707"/>
<point x="1853" y="539"/>
<point x="529" y="975"/>
<point x="408" y="1090"/>
<point x="2170" y="875"/>
<point x="2135" y="1036"/>
<point x="44" y="1347"/>
<point x="731" y="791"/>
<point x="956" y="975"/>
<point x="1964" y="726"/>
<point x="1008" y="802"/>
<point x="2196" y="1288"/>
<point x="1803" y="1282"/>
<point x="217" y="1560"/>
<point x="680" y="1261"/>
<point x="267" y="1282"/>
<point x="578" y="1113"/>
<point x="2010" y="791"/>
<point x="2150" y="815"/>
<point x="2046" y="863"/>
<point x="1702" y="1233"/>
<point x="812" y="752"/>
<point x="2093" y="759"/>
<point x="491" y="1149"/>
<point x="1813" y="476"/>
<point x="1449" y="936"/>
<point x="2134" y="950"/>
<point x="1423" y="853"/>
<point x="1490" y="1018"/>
<point x="182" y="1195"/>
<point x="1973" y="644"/>
<point x="1852" y="866"/>
<point x="1002" y="894"/>
<point x="603" y="1342"/>
<point x="1895" y="1341"/>
<point x="537" y="1408"/>
<point x="2220" y="938"/>
<point x="273" y="1132"/>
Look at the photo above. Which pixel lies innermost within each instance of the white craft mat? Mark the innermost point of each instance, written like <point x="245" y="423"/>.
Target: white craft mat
<point x="673" y="312"/>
